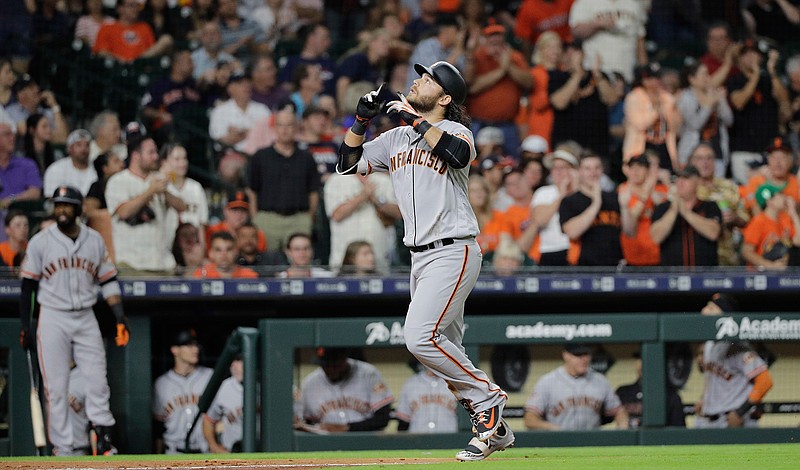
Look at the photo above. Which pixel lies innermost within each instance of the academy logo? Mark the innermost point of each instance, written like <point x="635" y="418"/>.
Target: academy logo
<point x="567" y="332"/>
<point x="747" y="329"/>
<point x="378" y="332"/>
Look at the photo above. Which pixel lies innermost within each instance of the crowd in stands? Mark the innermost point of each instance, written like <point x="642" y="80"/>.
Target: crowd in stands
<point x="609" y="133"/>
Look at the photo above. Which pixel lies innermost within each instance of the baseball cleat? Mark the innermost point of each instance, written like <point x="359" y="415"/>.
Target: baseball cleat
<point x="102" y="441"/>
<point x="478" y="450"/>
<point x="486" y="422"/>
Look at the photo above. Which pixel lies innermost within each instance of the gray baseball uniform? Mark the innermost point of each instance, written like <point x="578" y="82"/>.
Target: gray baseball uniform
<point x="440" y="229"/>
<point x="175" y="399"/>
<point x="573" y="402"/>
<point x="227" y="407"/>
<point x="353" y="399"/>
<point x="427" y="405"/>
<point x="69" y="273"/>
<point x="727" y="382"/>
<point x="77" y="410"/>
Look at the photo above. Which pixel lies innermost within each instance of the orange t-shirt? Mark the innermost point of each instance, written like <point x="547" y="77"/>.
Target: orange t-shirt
<point x="792" y="190"/>
<point x="535" y="17"/>
<point x="517" y="219"/>
<point x="7" y="254"/>
<point x="210" y="271"/>
<point x="640" y="249"/>
<point x="765" y="233"/>
<point x="540" y="112"/>
<point x="499" y="102"/>
<point x="489" y="237"/>
<point x="125" y="42"/>
<point x="223" y="227"/>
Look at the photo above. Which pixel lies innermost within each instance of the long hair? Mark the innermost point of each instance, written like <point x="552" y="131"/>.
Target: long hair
<point x="458" y="113"/>
<point x="48" y="155"/>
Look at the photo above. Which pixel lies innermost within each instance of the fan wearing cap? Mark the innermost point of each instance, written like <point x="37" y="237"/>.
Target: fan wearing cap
<point x="592" y="218"/>
<point x="533" y="147"/>
<point x="639" y="195"/>
<point x="493" y="168"/>
<point x="518" y="218"/>
<point x="74" y="171"/>
<point x="32" y="100"/>
<point x="573" y="396"/>
<point x="235" y="214"/>
<point x="553" y="243"/>
<point x="770" y="234"/>
<point x="686" y="228"/>
<point x="498" y="76"/>
<point x="780" y="162"/>
<point x="736" y="378"/>
<point x="447" y="44"/>
<point x="757" y="99"/>
<point x="652" y="119"/>
<point x="429" y="162"/>
<point x="231" y="120"/>
<point x="176" y="394"/>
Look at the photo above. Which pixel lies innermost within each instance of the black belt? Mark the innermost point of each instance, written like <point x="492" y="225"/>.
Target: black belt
<point x="431" y="245"/>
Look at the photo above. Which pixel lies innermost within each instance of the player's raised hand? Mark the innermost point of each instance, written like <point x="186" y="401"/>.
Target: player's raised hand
<point x="367" y="108"/>
<point x="401" y="106"/>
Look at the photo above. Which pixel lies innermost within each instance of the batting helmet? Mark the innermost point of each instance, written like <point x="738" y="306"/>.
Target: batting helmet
<point x="68" y="195"/>
<point x="448" y="77"/>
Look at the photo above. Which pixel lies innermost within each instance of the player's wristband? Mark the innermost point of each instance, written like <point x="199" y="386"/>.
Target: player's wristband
<point x="421" y="126"/>
<point x="119" y="314"/>
<point x="360" y="126"/>
<point x="744" y="409"/>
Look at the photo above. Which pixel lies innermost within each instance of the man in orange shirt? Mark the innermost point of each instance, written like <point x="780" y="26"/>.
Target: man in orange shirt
<point x="639" y="196"/>
<point x="498" y="76"/>
<point x="534" y="17"/>
<point x="778" y="173"/>
<point x="128" y="39"/>
<point x="223" y="260"/>
<point x="518" y="219"/>
<point x="236" y="213"/>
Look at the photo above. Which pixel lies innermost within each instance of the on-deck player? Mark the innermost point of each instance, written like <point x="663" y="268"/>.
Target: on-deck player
<point x="429" y="166"/>
<point x="61" y="271"/>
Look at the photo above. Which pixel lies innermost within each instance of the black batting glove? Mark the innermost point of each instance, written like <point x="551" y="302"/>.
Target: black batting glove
<point x="408" y="114"/>
<point x="368" y="107"/>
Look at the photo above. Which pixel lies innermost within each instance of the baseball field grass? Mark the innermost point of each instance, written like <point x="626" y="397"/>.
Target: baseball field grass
<point x="700" y="457"/>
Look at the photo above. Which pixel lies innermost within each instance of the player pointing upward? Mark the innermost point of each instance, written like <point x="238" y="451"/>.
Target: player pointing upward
<point x="429" y="166"/>
<point x="63" y="266"/>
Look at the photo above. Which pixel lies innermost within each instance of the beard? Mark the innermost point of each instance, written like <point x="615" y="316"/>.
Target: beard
<point x="66" y="222"/>
<point x="423" y="104"/>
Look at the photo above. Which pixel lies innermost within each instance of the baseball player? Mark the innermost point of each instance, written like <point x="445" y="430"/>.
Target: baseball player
<point x="573" y="396"/>
<point x="426" y="405"/>
<point x="343" y="394"/>
<point x="736" y="378"/>
<point x="61" y="271"/>
<point x="176" y="394"/>
<point x="226" y="408"/>
<point x="428" y="161"/>
<point x="77" y="411"/>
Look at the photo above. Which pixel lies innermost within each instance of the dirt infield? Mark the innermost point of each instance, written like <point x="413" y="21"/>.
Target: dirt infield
<point x="282" y="464"/>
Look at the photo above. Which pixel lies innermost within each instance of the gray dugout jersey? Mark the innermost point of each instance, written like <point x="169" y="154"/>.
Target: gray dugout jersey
<point x="728" y="373"/>
<point x="353" y="399"/>
<point x="175" y="399"/>
<point x="573" y="402"/>
<point x="69" y="272"/>
<point x="431" y="195"/>
<point x="427" y="404"/>
<point x="227" y="407"/>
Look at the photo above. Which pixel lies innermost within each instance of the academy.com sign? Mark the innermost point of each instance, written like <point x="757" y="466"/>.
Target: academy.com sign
<point x="567" y="331"/>
<point x="747" y="329"/>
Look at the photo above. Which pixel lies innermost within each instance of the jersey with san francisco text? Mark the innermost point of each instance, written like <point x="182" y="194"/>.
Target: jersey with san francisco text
<point x="432" y="196"/>
<point x="175" y="403"/>
<point x="69" y="272"/>
<point x="728" y="369"/>
<point x="351" y="400"/>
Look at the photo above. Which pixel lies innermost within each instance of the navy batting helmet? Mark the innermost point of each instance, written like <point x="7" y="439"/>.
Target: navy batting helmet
<point x="448" y="77"/>
<point x="68" y="195"/>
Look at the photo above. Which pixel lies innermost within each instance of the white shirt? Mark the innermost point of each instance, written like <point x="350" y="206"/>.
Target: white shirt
<point x="230" y="114"/>
<point x="551" y="238"/>
<point x="363" y="223"/>
<point x="193" y="194"/>
<point x="63" y="172"/>
<point x="143" y="246"/>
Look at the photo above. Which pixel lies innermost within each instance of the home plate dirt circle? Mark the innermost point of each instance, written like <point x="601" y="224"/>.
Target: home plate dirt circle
<point x="266" y="464"/>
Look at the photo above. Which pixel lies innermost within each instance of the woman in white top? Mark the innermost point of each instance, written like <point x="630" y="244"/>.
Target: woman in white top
<point x="175" y="165"/>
